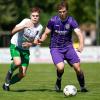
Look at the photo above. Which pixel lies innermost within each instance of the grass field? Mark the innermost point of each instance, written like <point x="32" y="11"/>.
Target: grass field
<point x="40" y="79"/>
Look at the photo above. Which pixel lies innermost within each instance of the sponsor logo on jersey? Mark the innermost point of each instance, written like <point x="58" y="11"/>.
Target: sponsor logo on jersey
<point x="67" y="26"/>
<point x="61" y="32"/>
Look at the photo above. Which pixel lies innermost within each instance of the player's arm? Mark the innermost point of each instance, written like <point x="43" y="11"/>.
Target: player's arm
<point x="48" y="29"/>
<point x="38" y="41"/>
<point x="17" y="29"/>
<point x="80" y="38"/>
<point x="38" y="36"/>
<point x="45" y="34"/>
<point x="29" y="44"/>
<point x="23" y="24"/>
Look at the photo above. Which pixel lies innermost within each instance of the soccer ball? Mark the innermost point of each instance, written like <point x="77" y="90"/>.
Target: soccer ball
<point x="70" y="90"/>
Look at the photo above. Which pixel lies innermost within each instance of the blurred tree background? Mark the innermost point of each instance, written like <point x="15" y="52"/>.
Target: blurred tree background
<point x="13" y="11"/>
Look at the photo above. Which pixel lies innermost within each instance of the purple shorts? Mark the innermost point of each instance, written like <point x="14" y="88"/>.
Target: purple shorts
<point x="61" y="54"/>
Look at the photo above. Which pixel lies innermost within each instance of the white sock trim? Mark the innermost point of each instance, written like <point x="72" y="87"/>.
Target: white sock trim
<point x="6" y="84"/>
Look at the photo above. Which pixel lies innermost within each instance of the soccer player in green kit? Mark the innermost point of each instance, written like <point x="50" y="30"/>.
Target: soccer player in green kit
<point x="25" y="34"/>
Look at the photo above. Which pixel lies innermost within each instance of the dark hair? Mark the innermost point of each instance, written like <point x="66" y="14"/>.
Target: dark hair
<point x="35" y="9"/>
<point x="62" y="4"/>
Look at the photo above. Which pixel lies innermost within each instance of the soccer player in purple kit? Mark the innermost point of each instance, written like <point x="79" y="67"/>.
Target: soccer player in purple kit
<point x="61" y="46"/>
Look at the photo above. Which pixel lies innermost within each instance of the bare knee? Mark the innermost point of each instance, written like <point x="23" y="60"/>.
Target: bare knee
<point x="60" y="67"/>
<point x="77" y="67"/>
<point x="17" y="61"/>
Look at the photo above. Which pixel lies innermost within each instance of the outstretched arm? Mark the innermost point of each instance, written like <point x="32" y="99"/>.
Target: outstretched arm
<point x="80" y="38"/>
<point x="16" y="29"/>
<point x="23" y="24"/>
<point x="45" y="34"/>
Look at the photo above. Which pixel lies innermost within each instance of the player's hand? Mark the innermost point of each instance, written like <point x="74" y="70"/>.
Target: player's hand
<point x="37" y="42"/>
<point x="80" y="49"/>
<point x="40" y="40"/>
<point x="26" y="44"/>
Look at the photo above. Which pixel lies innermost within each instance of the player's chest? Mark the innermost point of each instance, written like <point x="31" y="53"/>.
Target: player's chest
<point x="31" y="31"/>
<point x="62" y="28"/>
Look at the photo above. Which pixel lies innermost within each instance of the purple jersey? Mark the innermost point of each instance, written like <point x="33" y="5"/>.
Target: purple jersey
<point x="61" y="31"/>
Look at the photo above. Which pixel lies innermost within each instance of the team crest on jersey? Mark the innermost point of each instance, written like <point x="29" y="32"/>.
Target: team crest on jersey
<point x="28" y="30"/>
<point x="67" y="26"/>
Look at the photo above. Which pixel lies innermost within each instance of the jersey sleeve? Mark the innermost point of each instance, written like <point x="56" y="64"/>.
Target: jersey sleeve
<point x="39" y="32"/>
<point x="23" y="22"/>
<point x="50" y="24"/>
<point x="74" y="23"/>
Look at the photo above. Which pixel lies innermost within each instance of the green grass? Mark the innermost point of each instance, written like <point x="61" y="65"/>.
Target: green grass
<point x="40" y="79"/>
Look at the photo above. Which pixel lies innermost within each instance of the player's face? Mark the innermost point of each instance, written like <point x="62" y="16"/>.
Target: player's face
<point x="35" y="17"/>
<point x="62" y="13"/>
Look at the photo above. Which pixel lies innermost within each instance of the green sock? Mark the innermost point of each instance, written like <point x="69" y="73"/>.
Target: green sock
<point x="13" y="67"/>
<point x="15" y="79"/>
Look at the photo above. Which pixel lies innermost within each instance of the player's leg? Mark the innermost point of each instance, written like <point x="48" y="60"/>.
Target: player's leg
<point x="15" y="54"/>
<point x="59" y="71"/>
<point x="22" y="69"/>
<point x="80" y="76"/>
<point x="16" y="63"/>
<point x="58" y="61"/>
<point x="74" y="61"/>
<point x="17" y="77"/>
<point x="13" y="67"/>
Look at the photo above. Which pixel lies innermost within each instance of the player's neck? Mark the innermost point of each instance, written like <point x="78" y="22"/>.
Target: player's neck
<point x="63" y="19"/>
<point x="36" y="24"/>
